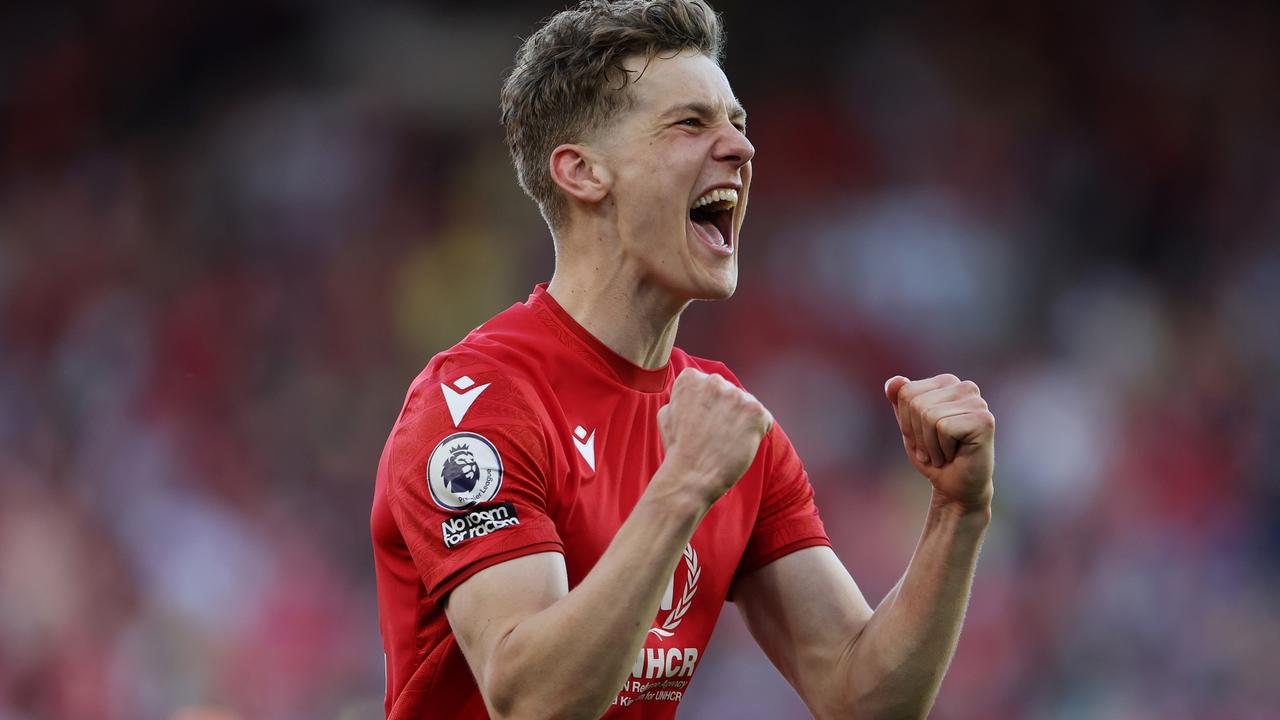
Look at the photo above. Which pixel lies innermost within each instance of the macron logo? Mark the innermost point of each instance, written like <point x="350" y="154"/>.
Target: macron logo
<point x="586" y="445"/>
<point x="460" y="396"/>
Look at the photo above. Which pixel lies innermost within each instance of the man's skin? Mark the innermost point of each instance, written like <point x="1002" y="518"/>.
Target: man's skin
<point x="628" y="261"/>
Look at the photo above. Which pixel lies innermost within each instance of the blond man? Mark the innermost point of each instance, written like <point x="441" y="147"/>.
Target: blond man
<point x="567" y="499"/>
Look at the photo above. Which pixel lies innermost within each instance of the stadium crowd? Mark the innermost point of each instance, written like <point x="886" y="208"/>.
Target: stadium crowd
<point x="232" y="233"/>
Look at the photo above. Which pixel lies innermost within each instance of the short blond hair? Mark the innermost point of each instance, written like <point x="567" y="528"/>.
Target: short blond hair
<point x="569" y="78"/>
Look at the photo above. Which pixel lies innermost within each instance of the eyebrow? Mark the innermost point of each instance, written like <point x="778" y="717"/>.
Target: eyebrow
<point x="706" y="110"/>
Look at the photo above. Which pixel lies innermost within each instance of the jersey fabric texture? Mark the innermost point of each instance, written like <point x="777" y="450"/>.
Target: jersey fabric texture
<point x="532" y="436"/>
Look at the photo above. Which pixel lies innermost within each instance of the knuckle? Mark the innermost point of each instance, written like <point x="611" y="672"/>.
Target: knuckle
<point x="948" y="379"/>
<point x="971" y="386"/>
<point x="689" y="376"/>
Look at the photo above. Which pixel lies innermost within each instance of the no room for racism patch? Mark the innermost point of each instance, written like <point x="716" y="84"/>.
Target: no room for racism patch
<point x="479" y="522"/>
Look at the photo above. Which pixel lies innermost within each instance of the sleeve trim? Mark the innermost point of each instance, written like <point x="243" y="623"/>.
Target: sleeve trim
<point x="814" y="540"/>
<point x="445" y="586"/>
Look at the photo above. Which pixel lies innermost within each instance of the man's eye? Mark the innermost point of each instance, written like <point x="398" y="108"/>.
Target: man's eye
<point x="691" y="122"/>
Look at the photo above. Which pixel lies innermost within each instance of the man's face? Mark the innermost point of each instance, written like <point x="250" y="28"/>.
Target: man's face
<point x="681" y="143"/>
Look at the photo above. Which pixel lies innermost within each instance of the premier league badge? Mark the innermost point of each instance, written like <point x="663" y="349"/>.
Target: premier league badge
<point x="464" y="470"/>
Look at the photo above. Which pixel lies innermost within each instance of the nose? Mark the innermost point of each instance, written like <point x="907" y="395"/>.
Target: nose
<point x="734" y="147"/>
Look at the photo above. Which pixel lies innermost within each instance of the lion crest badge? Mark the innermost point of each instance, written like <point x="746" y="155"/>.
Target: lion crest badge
<point x="464" y="470"/>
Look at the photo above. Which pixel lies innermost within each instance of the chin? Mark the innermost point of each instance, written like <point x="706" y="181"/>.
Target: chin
<point x="709" y="274"/>
<point x="725" y="292"/>
<point x="718" y="288"/>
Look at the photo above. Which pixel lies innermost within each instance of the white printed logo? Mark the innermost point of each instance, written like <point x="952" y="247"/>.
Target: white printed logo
<point x="482" y="521"/>
<point x="586" y="445"/>
<point x="693" y="573"/>
<point x="463" y="470"/>
<point x="459" y="401"/>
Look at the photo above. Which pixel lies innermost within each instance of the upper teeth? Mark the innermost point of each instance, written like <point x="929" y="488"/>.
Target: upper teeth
<point x="728" y="195"/>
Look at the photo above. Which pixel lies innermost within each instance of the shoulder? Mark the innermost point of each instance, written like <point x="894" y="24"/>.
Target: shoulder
<point x="483" y="385"/>
<point x="470" y="427"/>
<point x="463" y="388"/>
<point x="488" y="372"/>
<point x="681" y="360"/>
<point x="774" y="438"/>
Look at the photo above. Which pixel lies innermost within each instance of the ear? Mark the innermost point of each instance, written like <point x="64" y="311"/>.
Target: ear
<point x="579" y="173"/>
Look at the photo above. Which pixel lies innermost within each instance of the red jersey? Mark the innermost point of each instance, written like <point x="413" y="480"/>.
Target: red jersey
<point x="532" y="436"/>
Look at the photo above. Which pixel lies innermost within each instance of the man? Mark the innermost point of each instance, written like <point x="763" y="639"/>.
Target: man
<point x="566" y="499"/>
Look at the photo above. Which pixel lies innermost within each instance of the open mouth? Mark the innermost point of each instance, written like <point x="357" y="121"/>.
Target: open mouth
<point x="712" y="218"/>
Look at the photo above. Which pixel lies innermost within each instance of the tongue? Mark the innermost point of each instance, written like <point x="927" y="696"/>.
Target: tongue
<point x="712" y="233"/>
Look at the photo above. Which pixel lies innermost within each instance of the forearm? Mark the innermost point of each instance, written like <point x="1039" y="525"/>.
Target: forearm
<point x="895" y="666"/>
<point x="571" y="659"/>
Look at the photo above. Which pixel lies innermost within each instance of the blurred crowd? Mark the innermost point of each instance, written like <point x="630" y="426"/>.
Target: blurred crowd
<point x="231" y="234"/>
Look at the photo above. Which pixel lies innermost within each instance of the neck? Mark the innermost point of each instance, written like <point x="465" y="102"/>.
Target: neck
<point x="618" y="305"/>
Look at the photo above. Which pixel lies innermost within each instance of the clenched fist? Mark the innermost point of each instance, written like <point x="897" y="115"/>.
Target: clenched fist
<point x="949" y="434"/>
<point x="711" y="431"/>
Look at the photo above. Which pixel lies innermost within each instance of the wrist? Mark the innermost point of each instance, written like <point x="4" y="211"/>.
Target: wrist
<point x="670" y="492"/>
<point x="973" y="511"/>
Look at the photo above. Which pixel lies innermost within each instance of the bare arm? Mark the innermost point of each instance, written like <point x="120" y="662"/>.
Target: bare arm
<point x="845" y="661"/>
<point x="534" y="646"/>
<point x="538" y="649"/>
<point x="812" y="620"/>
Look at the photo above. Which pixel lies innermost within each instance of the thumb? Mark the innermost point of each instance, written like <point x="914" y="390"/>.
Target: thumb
<point x="664" y="419"/>
<point x="891" y="388"/>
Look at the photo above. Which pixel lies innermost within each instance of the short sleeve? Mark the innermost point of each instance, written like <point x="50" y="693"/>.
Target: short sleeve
<point x="468" y="469"/>
<point x="788" y="519"/>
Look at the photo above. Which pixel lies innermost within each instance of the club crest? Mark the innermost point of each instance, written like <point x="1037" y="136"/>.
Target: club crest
<point x="463" y="470"/>
<point x="676" y="610"/>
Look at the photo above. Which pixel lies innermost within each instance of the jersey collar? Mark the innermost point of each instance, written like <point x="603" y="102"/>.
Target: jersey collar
<point x="623" y="370"/>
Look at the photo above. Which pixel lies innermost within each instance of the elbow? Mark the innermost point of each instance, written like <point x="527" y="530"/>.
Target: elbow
<point x="552" y="713"/>
<point x="529" y="708"/>
<point x="519" y="684"/>
<point x="545" y="711"/>
<point x="876" y="706"/>
<point x="879" y="701"/>
<point x="524" y="694"/>
<point x="879" y="688"/>
<point x="906" y="711"/>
